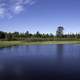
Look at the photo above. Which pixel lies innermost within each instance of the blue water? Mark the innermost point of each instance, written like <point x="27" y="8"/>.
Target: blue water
<point x="40" y="62"/>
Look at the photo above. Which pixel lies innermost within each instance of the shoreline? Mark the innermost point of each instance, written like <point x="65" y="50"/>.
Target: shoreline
<point x="4" y="44"/>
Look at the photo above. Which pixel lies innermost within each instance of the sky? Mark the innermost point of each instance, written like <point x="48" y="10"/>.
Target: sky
<point x="39" y="15"/>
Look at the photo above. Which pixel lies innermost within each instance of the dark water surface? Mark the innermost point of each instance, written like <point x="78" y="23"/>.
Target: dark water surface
<point x="40" y="62"/>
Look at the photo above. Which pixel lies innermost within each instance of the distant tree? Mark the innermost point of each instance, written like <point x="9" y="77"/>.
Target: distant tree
<point x="22" y="35"/>
<point x="44" y="35"/>
<point x="47" y="35"/>
<point x="51" y="35"/>
<point x="2" y="35"/>
<point x="59" y="32"/>
<point x="9" y="36"/>
<point x="38" y="34"/>
<point x="27" y="34"/>
<point x="16" y="34"/>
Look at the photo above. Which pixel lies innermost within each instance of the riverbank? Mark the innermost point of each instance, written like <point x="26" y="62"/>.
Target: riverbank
<point x="21" y="43"/>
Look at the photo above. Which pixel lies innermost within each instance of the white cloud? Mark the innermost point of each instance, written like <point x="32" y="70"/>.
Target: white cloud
<point x="18" y="9"/>
<point x="2" y="12"/>
<point x="13" y="7"/>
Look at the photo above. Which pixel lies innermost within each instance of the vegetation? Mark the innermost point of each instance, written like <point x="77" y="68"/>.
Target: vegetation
<point x="16" y="38"/>
<point x="21" y="43"/>
<point x="59" y="31"/>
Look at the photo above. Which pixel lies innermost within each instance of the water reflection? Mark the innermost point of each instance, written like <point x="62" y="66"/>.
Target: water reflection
<point x="60" y="53"/>
<point x="39" y="61"/>
<point x="60" y="50"/>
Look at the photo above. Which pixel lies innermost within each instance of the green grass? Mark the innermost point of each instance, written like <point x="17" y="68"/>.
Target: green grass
<point x="21" y="43"/>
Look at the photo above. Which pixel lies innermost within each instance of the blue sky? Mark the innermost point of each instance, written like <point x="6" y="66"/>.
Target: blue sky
<point x="39" y="15"/>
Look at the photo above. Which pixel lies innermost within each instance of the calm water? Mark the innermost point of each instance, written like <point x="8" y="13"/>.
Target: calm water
<point x="40" y="62"/>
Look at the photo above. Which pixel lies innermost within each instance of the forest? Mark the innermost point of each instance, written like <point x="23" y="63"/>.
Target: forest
<point x="27" y="36"/>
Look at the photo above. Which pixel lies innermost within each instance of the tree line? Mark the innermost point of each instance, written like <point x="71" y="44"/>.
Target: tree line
<point x="27" y="36"/>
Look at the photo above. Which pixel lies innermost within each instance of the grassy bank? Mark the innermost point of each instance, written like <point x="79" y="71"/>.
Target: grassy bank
<point x="17" y="43"/>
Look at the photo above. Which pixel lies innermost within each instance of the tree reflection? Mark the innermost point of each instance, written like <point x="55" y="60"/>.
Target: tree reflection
<point x="60" y="52"/>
